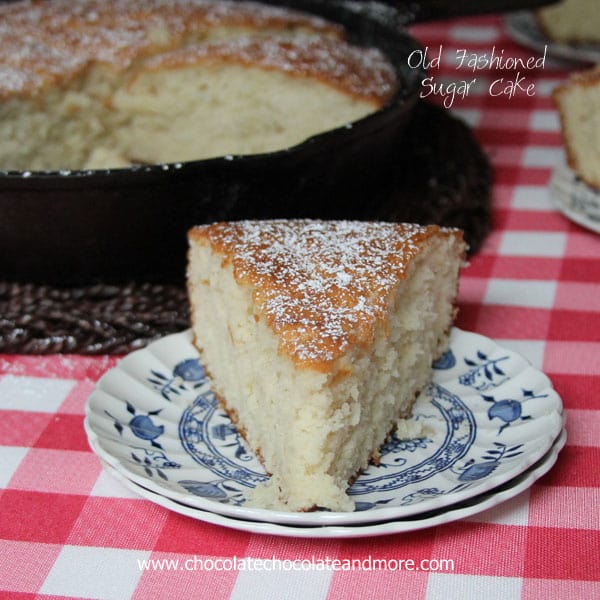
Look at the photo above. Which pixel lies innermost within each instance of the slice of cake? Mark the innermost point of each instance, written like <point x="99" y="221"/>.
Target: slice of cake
<point x="578" y="104"/>
<point x="570" y="21"/>
<point x="318" y="336"/>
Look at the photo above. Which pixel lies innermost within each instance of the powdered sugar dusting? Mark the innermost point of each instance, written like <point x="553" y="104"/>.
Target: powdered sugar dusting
<point x="321" y="285"/>
<point x="43" y="42"/>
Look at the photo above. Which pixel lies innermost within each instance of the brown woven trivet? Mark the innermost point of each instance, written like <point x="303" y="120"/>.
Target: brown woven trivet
<point x="99" y="319"/>
<point x="439" y="175"/>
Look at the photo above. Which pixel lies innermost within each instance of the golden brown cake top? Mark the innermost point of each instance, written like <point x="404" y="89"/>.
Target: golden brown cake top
<point x="49" y="41"/>
<point x="585" y="78"/>
<point x="321" y="285"/>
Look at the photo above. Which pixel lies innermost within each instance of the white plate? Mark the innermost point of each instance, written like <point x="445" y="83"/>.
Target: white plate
<point x="451" y="513"/>
<point x="523" y="28"/>
<point x="487" y="416"/>
<point x="575" y="199"/>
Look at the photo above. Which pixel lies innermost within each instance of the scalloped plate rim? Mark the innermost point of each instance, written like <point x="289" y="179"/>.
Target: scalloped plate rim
<point x="453" y="512"/>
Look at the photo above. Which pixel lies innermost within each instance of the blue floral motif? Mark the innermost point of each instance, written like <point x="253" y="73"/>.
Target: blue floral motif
<point x="397" y="445"/>
<point x="460" y="434"/>
<point x="446" y="361"/>
<point x="154" y="461"/>
<point x="428" y="493"/>
<point x="142" y="426"/>
<point x="190" y="370"/>
<point x="391" y="452"/>
<point x="222" y="431"/>
<point x="187" y="373"/>
<point x="209" y="437"/>
<point x="473" y="471"/>
<point x="360" y="506"/>
<point x="217" y="489"/>
<point x="484" y="373"/>
<point x="508" y="410"/>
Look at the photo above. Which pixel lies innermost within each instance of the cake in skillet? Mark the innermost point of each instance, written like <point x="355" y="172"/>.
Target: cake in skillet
<point x="108" y="83"/>
<point x="570" y="21"/>
<point x="318" y="337"/>
<point x="578" y="104"/>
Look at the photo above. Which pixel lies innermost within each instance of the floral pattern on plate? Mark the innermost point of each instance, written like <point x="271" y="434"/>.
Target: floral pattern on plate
<point x="487" y="416"/>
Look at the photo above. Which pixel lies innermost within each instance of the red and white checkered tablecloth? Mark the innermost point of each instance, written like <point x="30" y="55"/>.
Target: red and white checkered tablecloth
<point x="69" y="530"/>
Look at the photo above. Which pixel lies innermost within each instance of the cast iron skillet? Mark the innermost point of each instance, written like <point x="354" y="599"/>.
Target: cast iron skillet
<point x="114" y="225"/>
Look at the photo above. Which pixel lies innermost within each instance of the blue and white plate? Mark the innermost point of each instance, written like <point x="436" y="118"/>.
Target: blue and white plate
<point x="460" y="510"/>
<point x="575" y="198"/>
<point x="523" y="28"/>
<point x="487" y="417"/>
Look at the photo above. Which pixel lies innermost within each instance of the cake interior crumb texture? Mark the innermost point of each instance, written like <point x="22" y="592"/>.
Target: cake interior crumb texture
<point x="318" y="337"/>
<point x="571" y="21"/>
<point x="578" y="103"/>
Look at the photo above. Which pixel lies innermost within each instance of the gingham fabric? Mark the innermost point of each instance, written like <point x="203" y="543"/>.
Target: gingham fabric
<point x="69" y="530"/>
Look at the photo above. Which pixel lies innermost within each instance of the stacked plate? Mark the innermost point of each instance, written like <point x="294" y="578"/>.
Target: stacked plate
<point x="572" y="196"/>
<point x="575" y="199"/>
<point x="523" y="28"/>
<point x="490" y="425"/>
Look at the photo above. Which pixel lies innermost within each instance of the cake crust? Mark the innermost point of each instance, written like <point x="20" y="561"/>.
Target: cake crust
<point x="51" y="42"/>
<point x="360" y="72"/>
<point x="318" y="298"/>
